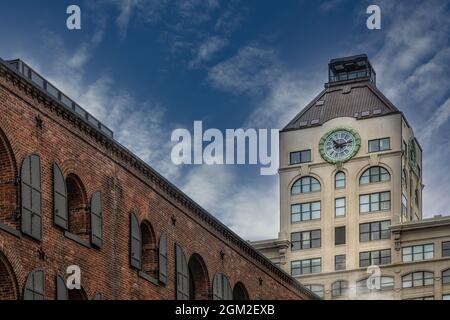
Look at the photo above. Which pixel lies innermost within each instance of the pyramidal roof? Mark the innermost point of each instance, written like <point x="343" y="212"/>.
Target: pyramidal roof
<point x="350" y="92"/>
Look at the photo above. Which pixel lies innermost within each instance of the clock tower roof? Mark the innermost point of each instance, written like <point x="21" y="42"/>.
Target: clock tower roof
<point x="350" y="92"/>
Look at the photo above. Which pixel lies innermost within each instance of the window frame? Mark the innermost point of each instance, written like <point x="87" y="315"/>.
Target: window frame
<point x="299" y="183"/>
<point x="341" y="287"/>
<point x="377" y="230"/>
<point x="446" y="276"/>
<point x="379" y="144"/>
<point x="340" y="207"/>
<point x="301" y="213"/>
<point x="300" y="153"/>
<point x="373" y="204"/>
<point x="421" y="252"/>
<point x="375" y="177"/>
<point x="445" y="250"/>
<point x="341" y="265"/>
<point x="336" y="235"/>
<point x="310" y="239"/>
<point x="306" y="264"/>
<point x="340" y="180"/>
<point x="371" y="257"/>
<point x="424" y="275"/>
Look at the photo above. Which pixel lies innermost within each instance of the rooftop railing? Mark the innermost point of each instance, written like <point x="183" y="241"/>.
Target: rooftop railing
<point x="22" y="68"/>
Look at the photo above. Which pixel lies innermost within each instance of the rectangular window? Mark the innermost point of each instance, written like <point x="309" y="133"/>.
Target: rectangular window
<point x="418" y="253"/>
<point x="307" y="266"/>
<point x="374" y="231"/>
<point x="306" y="240"/>
<point x="446" y="249"/>
<point x="300" y="157"/>
<point x="339" y="262"/>
<point x="446" y="297"/>
<point x="339" y="235"/>
<point x="339" y="207"/>
<point x="380" y="201"/>
<point x="376" y="257"/>
<point x="305" y="211"/>
<point x="379" y="144"/>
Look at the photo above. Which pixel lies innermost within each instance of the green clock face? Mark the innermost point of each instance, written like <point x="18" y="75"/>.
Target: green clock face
<point x="339" y="145"/>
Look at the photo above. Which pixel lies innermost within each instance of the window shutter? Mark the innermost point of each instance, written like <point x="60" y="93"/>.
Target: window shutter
<point x="222" y="288"/>
<point x="35" y="285"/>
<point x="61" y="289"/>
<point x="60" y="214"/>
<point x="31" y="197"/>
<point x="228" y="292"/>
<point x="163" y="259"/>
<point x="182" y="275"/>
<point x="136" y="242"/>
<point x="96" y="219"/>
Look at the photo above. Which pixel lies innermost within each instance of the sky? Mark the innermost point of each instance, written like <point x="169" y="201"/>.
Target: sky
<point x="147" y="67"/>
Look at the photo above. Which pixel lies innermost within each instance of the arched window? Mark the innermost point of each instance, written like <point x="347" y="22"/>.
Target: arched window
<point x="35" y="285"/>
<point x="317" y="289"/>
<point x="339" y="180"/>
<point x="183" y="277"/>
<point x="222" y="288"/>
<point x="8" y="186"/>
<point x="386" y="283"/>
<point x="240" y="292"/>
<point x="77" y="205"/>
<point x="339" y="288"/>
<point x="374" y="174"/>
<point x="305" y="185"/>
<point x="8" y="281"/>
<point x="417" y="279"/>
<point x="446" y="276"/>
<point x="198" y="273"/>
<point x="149" y="252"/>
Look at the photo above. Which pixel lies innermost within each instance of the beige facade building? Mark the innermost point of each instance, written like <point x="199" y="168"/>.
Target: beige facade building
<point x="351" y="197"/>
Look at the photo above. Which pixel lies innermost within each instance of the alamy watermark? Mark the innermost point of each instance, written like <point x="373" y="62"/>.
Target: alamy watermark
<point x="236" y="146"/>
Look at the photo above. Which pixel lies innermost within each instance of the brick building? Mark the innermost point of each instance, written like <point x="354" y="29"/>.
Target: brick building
<point x="71" y="195"/>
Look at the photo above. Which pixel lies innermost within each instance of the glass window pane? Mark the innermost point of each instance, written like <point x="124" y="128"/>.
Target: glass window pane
<point x="373" y="145"/>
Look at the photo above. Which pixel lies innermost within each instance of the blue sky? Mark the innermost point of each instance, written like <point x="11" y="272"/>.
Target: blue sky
<point x="146" y="67"/>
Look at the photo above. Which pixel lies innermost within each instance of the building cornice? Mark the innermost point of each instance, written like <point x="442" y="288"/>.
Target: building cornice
<point x="145" y="171"/>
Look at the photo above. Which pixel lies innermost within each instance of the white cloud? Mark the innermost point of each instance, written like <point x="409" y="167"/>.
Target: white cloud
<point x="207" y="49"/>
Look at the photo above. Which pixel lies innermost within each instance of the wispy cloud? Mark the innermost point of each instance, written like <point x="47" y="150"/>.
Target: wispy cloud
<point x="207" y="49"/>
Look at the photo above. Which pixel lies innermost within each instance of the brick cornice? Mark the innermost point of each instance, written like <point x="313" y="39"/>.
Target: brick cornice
<point x="115" y="149"/>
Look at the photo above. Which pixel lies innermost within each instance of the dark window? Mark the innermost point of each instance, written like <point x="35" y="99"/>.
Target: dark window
<point x="374" y="230"/>
<point x="163" y="259"/>
<point x="96" y="219"/>
<point x="339" y="180"/>
<point x="306" y="240"/>
<point x="306" y="266"/>
<point x="339" y="289"/>
<point x="417" y="279"/>
<point x="31" y="197"/>
<point x="305" y="185"/>
<point x="61" y="289"/>
<point x="222" y="288"/>
<point x="305" y="211"/>
<point x="379" y="201"/>
<point x="374" y="174"/>
<point x="60" y="214"/>
<point x="339" y="235"/>
<point x="149" y="255"/>
<point x="77" y="204"/>
<point x="35" y="286"/>
<point x="340" y="262"/>
<point x="317" y="289"/>
<point x="379" y="144"/>
<point x="300" y="157"/>
<point x="446" y="249"/>
<point x="446" y="276"/>
<point x="376" y="257"/>
<point x="136" y="242"/>
<point x="418" y="253"/>
<point x="182" y="275"/>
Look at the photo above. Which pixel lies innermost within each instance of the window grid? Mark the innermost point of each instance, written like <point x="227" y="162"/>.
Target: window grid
<point x="375" y="257"/>
<point x="379" y="201"/>
<point x="417" y="279"/>
<point x="339" y="207"/>
<point x="446" y="276"/>
<point x="307" y="266"/>
<point x="339" y="180"/>
<point x="306" y="240"/>
<point x="305" y="211"/>
<point x="446" y="249"/>
<point x="377" y="145"/>
<point x="418" y="253"/>
<point x="305" y="185"/>
<point x="339" y="288"/>
<point x="374" y="175"/>
<point x="374" y="230"/>
<point x="340" y="262"/>
<point x="300" y="157"/>
<point x="317" y="289"/>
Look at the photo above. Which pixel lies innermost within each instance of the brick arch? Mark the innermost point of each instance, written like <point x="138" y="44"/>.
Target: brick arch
<point x="8" y="282"/>
<point x="149" y="249"/>
<point x="77" y="200"/>
<point x="9" y="191"/>
<point x="200" y="283"/>
<point x="240" y="292"/>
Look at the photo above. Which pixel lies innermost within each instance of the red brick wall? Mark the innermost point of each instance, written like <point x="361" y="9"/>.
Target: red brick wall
<point x="101" y="165"/>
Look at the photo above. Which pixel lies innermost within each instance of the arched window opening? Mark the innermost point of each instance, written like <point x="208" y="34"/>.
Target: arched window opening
<point x="305" y="185"/>
<point x="8" y="284"/>
<point x="339" y="289"/>
<point x="149" y="252"/>
<point x="222" y="288"/>
<point x="374" y="175"/>
<point x="9" y="213"/>
<point x="79" y="217"/>
<point x="339" y="180"/>
<point x="199" y="279"/>
<point x="240" y="292"/>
